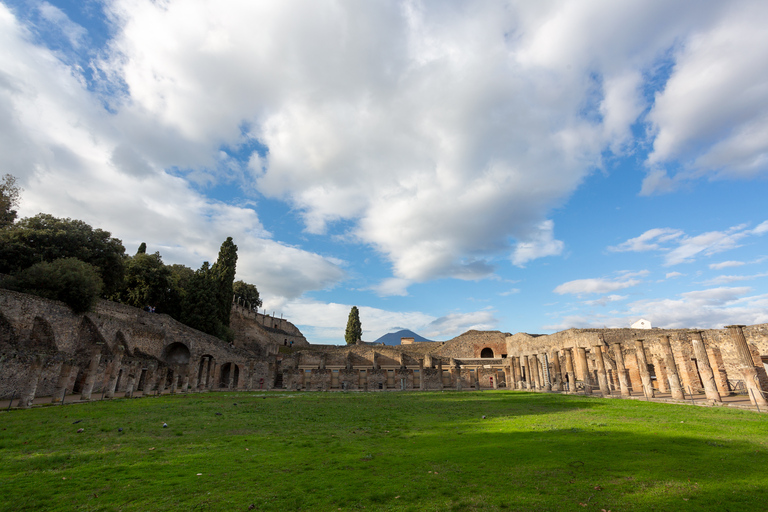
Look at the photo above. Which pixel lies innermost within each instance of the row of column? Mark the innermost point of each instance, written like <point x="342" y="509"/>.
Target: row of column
<point x="536" y="366"/>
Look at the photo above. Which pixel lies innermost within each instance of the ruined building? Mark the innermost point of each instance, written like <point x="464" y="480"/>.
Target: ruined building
<point x="46" y="350"/>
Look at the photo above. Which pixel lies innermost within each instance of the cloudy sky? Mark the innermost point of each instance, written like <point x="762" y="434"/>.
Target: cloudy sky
<point x="520" y="166"/>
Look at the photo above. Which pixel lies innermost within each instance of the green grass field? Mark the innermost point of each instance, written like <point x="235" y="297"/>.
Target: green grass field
<point x="383" y="451"/>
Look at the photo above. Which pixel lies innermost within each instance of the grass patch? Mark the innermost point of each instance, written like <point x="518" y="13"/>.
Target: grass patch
<point x="382" y="451"/>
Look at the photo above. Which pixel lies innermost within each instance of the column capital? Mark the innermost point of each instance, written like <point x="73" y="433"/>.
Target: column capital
<point x="735" y="326"/>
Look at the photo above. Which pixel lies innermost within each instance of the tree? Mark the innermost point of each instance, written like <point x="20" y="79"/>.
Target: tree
<point x="354" y="331"/>
<point x="247" y="293"/>
<point x="9" y="199"/>
<point x="222" y="277"/>
<point x="47" y="238"/>
<point x="148" y="282"/>
<point x="69" y="280"/>
<point x="142" y="248"/>
<point x="198" y="310"/>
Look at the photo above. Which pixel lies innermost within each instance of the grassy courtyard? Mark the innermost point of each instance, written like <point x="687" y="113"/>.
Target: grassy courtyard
<point x="382" y="451"/>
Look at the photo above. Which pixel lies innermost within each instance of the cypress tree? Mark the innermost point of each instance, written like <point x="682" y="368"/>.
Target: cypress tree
<point x="354" y="330"/>
<point x="222" y="277"/>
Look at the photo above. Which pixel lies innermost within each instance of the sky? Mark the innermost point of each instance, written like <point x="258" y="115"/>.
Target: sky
<point x="442" y="165"/>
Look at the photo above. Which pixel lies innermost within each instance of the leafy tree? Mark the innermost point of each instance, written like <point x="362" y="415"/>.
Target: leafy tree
<point x="354" y="331"/>
<point x="47" y="238"/>
<point x="9" y="199"/>
<point x="247" y="293"/>
<point x="222" y="277"/>
<point x="199" y="306"/>
<point x="69" y="280"/>
<point x="149" y="282"/>
<point x="142" y="248"/>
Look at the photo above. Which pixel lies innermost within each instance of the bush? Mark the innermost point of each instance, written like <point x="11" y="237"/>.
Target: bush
<point x="73" y="282"/>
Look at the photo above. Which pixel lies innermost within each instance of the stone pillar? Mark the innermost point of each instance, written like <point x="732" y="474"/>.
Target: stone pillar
<point x="421" y="374"/>
<point x="508" y="372"/>
<point x="162" y="380"/>
<point x="440" y="371"/>
<point x="131" y="380"/>
<point x="602" y="376"/>
<point x="557" y="383"/>
<point x="185" y="378"/>
<point x="93" y="368"/>
<point x="533" y="368"/>
<point x="174" y="378"/>
<point x="581" y="360"/>
<point x="195" y="377"/>
<point x="569" y="370"/>
<point x="747" y="365"/>
<point x="30" y="386"/>
<point x="642" y="367"/>
<point x="518" y="373"/>
<point x="545" y="374"/>
<point x="672" y="376"/>
<point x="661" y="374"/>
<point x="114" y="372"/>
<point x="149" y="378"/>
<point x="528" y="375"/>
<point x="621" y="370"/>
<point x="705" y="370"/>
<point x="215" y="370"/>
<point x="62" y="382"/>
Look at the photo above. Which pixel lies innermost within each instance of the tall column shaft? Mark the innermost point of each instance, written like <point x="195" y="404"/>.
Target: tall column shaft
<point x="529" y="382"/>
<point x="581" y="360"/>
<point x="621" y="370"/>
<point x="535" y="372"/>
<point x="185" y="380"/>
<point x="661" y="374"/>
<point x="93" y="368"/>
<point x="673" y="376"/>
<point x="642" y="367"/>
<point x="163" y="378"/>
<point x="569" y="371"/>
<point x="545" y="374"/>
<point x="747" y="365"/>
<point x="30" y="386"/>
<point x="518" y="373"/>
<point x="705" y="370"/>
<point x="602" y="376"/>
<point x="131" y="380"/>
<point x="62" y="382"/>
<point x="557" y="381"/>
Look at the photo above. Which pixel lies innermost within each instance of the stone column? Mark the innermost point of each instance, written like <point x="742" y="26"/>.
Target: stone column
<point x="421" y="374"/>
<point x="581" y="360"/>
<point x="215" y="369"/>
<point x="557" y="383"/>
<point x="535" y="379"/>
<point x="528" y="374"/>
<point x="131" y="380"/>
<point x="545" y="374"/>
<point x="747" y="365"/>
<point x="508" y="372"/>
<point x="30" y="386"/>
<point x="440" y="371"/>
<point x="62" y="382"/>
<point x="672" y="376"/>
<point x="162" y="380"/>
<point x="621" y="370"/>
<point x="185" y="378"/>
<point x="705" y="370"/>
<point x="149" y="379"/>
<point x="93" y="368"/>
<point x="661" y="374"/>
<point x="602" y="376"/>
<point x="195" y="377"/>
<point x="174" y="378"/>
<point x="569" y="370"/>
<point x="518" y="373"/>
<point x="114" y="372"/>
<point x="642" y="367"/>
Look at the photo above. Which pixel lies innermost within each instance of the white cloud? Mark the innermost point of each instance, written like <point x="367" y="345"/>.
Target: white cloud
<point x="581" y="287"/>
<point x="672" y="275"/>
<point x="542" y="243"/>
<point x="732" y="279"/>
<point x="393" y="286"/>
<point x="507" y="293"/>
<point x="726" y="264"/>
<point x="454" y="324"/>
<point x="648" y="241"/>
<point x="602" y="301"/>
<point x="688" y="247"/>
<point x="711" y="113"/>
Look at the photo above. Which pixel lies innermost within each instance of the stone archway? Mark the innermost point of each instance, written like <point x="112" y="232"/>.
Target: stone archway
<point x="176" y="354"/>
<point x="486" y="353"/>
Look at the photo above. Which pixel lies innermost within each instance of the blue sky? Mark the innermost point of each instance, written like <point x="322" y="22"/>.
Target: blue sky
<point x="444" y="166"/>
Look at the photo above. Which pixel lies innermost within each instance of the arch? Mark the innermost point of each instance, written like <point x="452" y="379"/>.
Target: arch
<point x="42" y="338"/>
<point x="176" y="353"/>
<point x="487" y="353"/>
<point x="120" y="341"/>
<point x="7" y="332"/>
<point x="88" y="335"/>
<point x="229" y="370"/>
<point x="204" y="369"/>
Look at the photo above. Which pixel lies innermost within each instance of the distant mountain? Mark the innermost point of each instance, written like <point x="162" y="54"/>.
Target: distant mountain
<point x="393" y="338"/>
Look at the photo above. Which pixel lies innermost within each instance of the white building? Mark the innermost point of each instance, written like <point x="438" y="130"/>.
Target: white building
<point x="641" y="324"/>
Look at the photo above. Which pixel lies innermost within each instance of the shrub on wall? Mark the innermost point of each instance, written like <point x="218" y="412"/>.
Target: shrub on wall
<point x="73" y="282"/>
